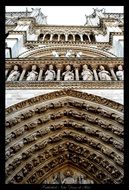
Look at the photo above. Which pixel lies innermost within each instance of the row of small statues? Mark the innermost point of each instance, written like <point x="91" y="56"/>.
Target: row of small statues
<point x="68" y="178"/>
<point x="50" y="74"/>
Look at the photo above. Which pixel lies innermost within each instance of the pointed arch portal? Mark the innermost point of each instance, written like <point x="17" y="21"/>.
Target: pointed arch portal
<point x="64" y="136"/>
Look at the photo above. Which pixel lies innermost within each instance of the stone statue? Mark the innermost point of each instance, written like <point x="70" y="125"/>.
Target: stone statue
<point x="68" y="179"/>
<point x="86" y="73"/>
<point x="83" y="180"/>
<point x="55" y="54"/>
<point x="32" y="76"/>
<point x="14" y="74"/>
<point x="50" y="73"/>
<point x="120" y="73"/>
<point x="103" y="74"/>
<point x="68" y="75"/>
<point x="69" y="53"/>
<point x="78" y="55"/>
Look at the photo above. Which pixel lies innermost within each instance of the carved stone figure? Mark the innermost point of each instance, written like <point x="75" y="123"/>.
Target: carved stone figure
<point x="32" y="76"/>
<point x="50" y="74"/>
<point x="26" y="154"/>
<point x="68" y="179"/>
<point x="40" y="145"/>
<point x="84" y="180"/>
<point x="14" y="74"/>
<point x="55" y="54"/>
<point x="29" y="139"/>
<point x="103" y="74"/>
<point x="19" y="177"/>
<point x="68" y="74"/>
<point x="86" y="73"/>
<point x="35" y="162"/>
<point x="69" y="53"/>
<point x="56" y="179"/>
<point x="17" y="147"/>
<point x="78" y="55"/>
<point x="120" y="73"/>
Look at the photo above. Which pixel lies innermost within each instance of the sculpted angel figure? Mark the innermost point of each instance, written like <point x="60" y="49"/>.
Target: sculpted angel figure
<point x="55" y="54"/>
<point x="14" y="74"/>
<point x="69" y="53"/>
<point x="68" y="74"/>
<point x="86" y="73"/>
<point x="50" y="73"/>
<point x="32" y="76"/>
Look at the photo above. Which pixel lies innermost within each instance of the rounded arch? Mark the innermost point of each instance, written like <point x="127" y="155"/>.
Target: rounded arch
<point x="47" y="51"/>
<point x="62" y="37"/>
<point x="77" y="38"/>
<point x="47" y="37"/>
<point x="55" y="37"/>
<point x="40" y="37"/>
<point x="85" y="38"/>
<point x="70" y="37"/>
<point x="92" y="38"/>
<point x="64" y="130"/>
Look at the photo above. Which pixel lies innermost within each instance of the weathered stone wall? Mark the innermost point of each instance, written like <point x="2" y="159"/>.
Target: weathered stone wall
<point x="15" y="96"/>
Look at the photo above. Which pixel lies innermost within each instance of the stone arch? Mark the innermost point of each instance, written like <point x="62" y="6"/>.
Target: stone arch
<point x="92" y="38"/>
<point x="70" y="37"/>
<point x="62" y="37"/>
<point x="64" y="130"/>
<point x="47" y="37"/>
<point x="77" y="38"/>
<point x="40" y="37"/>
<point x="85" y="38"/>
<point x="55" y="37"/>
<point x="47" y="51"/>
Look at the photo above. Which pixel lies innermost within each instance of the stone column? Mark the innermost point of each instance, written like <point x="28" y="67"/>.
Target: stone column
<point x="76" y="73"/>
<point x="43" y="37"/>
<point x="51" y="37"/>
<point x="81" y="38"/>
<point x="58" y="72"/>
<point x="58" y="37"/>
<point x="22" y="74"/>
<point x="112" y="72"/>
<point x="89" y="38"/>
<point x="94" y="67"/>
<point x="40" y="73"/>
<point x="66" y="37"/>
<point x="73" y="37"/>
<point x="6" y="72"/>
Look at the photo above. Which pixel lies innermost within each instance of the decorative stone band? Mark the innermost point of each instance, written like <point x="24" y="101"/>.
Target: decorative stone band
<point x="65" y="84"/>
<point x="64" y="93"/>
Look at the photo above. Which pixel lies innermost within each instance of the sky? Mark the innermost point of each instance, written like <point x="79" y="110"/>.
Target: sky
<point x="66" y="15"/>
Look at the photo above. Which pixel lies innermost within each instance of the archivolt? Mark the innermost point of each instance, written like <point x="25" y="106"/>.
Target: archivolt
<point x="63" y="131"/>
<point x="47" y="51"/>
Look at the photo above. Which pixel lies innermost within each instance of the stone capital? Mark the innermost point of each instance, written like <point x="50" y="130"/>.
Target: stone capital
<point x="76" y="66"/>
<point x="41" y="66"/>
<point x="111" y="66"/>
<point x="94" y="66"/>
<point x="59" y="66"/>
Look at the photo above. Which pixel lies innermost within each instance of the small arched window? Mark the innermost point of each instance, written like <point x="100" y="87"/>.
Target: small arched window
<point x="77" y="38"/>
<point x="70" y="37"/>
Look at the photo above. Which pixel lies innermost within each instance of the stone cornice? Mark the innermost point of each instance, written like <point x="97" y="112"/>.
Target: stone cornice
<point x="44" y="60"/>
<point x="63" y="84"/>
